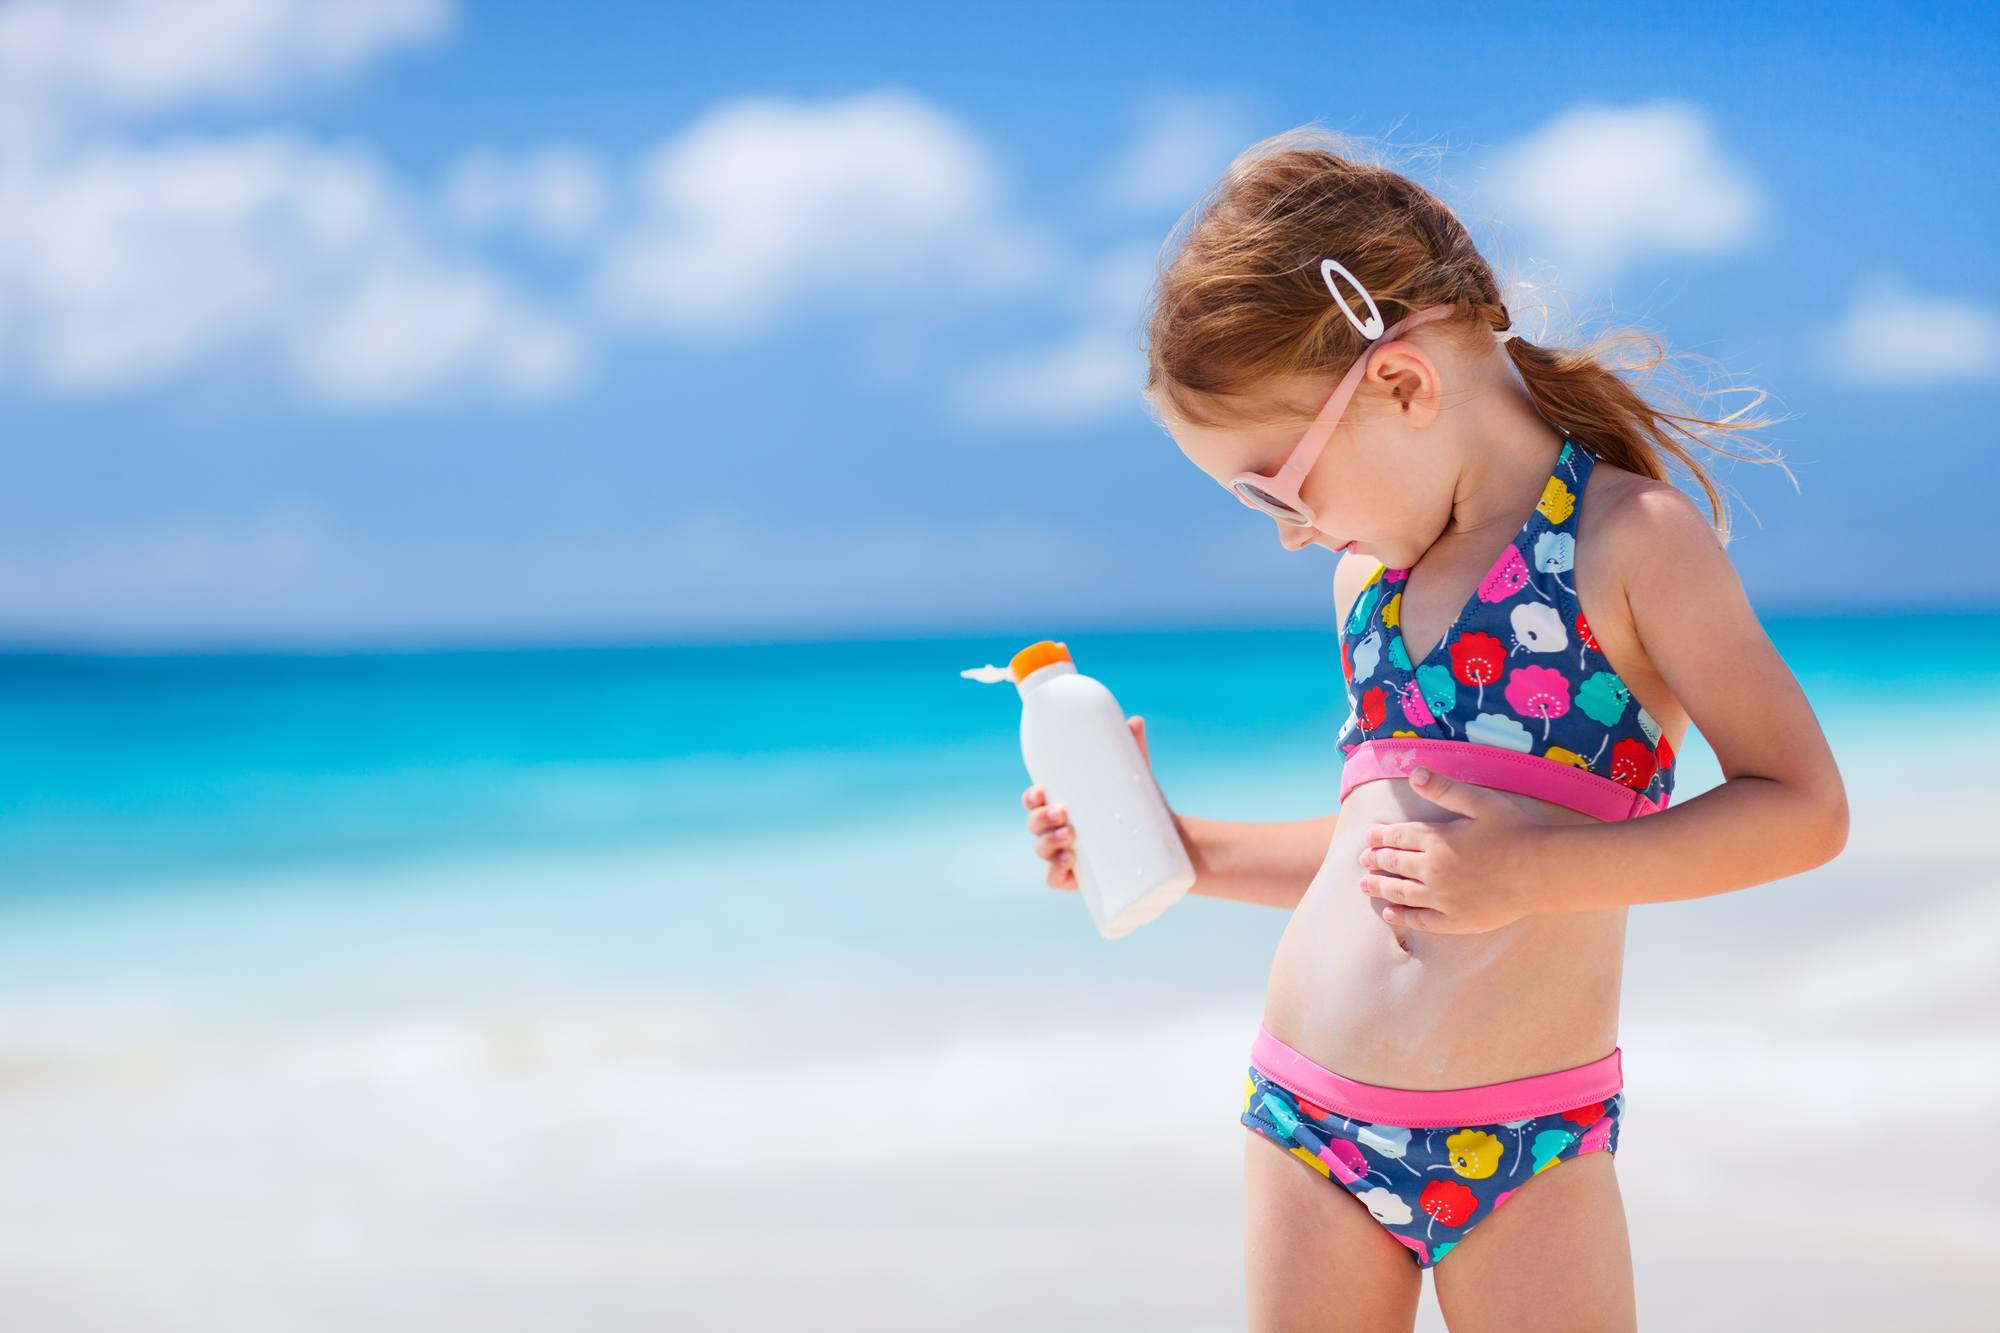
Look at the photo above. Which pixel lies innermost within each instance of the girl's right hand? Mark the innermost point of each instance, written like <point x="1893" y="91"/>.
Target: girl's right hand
<point x="1051" y="822"/>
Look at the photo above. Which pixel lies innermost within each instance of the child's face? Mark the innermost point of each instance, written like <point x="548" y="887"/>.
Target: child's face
<point x="1363" y="489"/>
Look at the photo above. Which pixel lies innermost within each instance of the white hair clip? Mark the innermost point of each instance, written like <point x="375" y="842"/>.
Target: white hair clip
<point x="1371" y="328"/>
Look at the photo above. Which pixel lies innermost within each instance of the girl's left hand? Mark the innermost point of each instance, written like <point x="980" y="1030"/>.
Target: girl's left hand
<point x="1455" y="876"/>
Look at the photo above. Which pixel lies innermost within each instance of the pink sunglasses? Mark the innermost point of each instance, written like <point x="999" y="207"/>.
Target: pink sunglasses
<point x="1277" y="493"/>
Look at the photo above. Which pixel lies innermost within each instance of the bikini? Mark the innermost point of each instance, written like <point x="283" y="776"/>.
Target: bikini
<point x="1517" y="695"/>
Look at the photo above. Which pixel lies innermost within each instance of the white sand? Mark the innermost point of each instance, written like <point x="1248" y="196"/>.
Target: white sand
<point x="622" y="1169"/>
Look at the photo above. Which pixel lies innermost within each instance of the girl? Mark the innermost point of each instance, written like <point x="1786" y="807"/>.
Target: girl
<point x="1530" y="618"/>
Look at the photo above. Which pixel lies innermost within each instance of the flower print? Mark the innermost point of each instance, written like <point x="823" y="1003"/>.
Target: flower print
<point x="1372" y="704"/>
<point x="1423" y="1256"/>
<point x="1440" y="693"/>
<point x="1281" y="1114"/>
<point x="1346" y="660"/>
<point x="1364" y="604"/>
<point x="1312" y="1159"/>
<point x="1538" y="628"/>
<point x="1443" y="1250"/>
<point x="1249" y="1090"/>
<point x="1399" y="656"/>
<point x="1556" y="503"/>
<point x="1603" y="696"/>
<point x="1404" y="735"/>
<point x="1562" y="756"/>
<point x="1597" y="1137"/>
<point x="1508" y="577"/>
<point x="1308" y="1109"/>
<point x="1387" y="1206"/>
<point x="1648" y="725"/>
<point x="1632" y="763"/>
<point x="1392" y="611"/>
<point x="1475" y="1154"/>
<point x="1448" y="1202"/>
<point x="1395" y="575"/>
<point x="1476" y="659"/>
<point x="1411" y="698"/>
<point x="1666" y="753"/>
<point x="1538" y="691"/>
<point x="1500" y="730"/>
<point x="1555" y="555"/>
<point x="1367" y="655"/>
<point x="1514" y="1125"/>
<point x="1501" y="1198"/>
<point x="1344" y="1161"/>
<point x="1585" y="1116"/>
<point x="1389" y="1140"/>
<point x="1588" y="640"/>
<point x="1549" y="1145"/>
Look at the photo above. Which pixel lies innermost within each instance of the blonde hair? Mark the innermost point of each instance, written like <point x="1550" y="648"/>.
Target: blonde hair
<point x="1242" y="301"/>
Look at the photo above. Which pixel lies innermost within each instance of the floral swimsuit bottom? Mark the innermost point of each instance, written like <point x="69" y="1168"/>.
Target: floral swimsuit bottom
<point x="1430" y="1182"/>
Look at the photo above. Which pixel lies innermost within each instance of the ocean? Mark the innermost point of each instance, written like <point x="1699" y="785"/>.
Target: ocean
<point x="412" y="986"/>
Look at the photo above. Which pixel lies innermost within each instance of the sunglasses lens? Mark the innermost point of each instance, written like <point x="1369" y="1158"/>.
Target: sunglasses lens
<point x="1269" y="503"/>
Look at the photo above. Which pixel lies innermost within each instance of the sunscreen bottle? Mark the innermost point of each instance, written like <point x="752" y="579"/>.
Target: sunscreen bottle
<point x="1130" y="862"/>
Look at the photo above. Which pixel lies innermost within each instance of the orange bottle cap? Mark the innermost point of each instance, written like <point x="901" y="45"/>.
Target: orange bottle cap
<point x="1035" y="656"/>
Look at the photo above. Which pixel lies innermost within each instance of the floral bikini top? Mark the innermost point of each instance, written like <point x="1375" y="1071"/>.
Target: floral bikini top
<point x="1517" y="694"/>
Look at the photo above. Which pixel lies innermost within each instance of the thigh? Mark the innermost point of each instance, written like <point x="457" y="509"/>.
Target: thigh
<point x="1555" y="1258"/>
<point x="1314" y="1260"/>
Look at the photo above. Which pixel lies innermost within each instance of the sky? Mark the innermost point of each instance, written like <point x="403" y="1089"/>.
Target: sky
<point x="406" y="322"/>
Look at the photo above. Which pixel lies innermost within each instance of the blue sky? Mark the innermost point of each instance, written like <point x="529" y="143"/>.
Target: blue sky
<point x="404" y="322"/>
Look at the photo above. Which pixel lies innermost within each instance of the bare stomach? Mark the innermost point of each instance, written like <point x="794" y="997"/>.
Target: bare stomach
<point x="1410" y="1009"/>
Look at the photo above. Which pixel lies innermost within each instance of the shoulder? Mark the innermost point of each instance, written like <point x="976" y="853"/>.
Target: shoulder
<point x="1350" y="576"/>
<point x="1645" y="528"/>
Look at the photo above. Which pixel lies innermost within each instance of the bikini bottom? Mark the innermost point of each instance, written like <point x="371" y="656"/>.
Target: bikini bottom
<point x="1430" y="1165"/>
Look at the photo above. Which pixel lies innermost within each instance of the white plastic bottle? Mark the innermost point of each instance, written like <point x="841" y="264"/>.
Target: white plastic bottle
<point x="1130" y="862"/>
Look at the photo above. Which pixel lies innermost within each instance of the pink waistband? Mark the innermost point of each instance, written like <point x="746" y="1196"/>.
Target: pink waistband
<point x="1491" y="766"/>
<point x="1445" y="1108"/>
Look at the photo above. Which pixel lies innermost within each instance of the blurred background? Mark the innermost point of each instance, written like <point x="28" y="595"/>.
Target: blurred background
<point x="492" y="835"/>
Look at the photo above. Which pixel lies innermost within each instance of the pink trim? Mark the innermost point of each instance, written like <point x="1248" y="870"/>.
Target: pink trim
<point x="1441" y="1108"/>
<point x="1490" y="766"/>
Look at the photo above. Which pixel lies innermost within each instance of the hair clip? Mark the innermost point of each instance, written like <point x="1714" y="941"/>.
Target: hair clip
<point x="1504" y="335"/>
<point x="1371" y="328"/>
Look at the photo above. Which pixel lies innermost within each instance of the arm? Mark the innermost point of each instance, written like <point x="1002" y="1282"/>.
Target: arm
<point x="1781" y="808"/>
<point x="1271" y="865"/>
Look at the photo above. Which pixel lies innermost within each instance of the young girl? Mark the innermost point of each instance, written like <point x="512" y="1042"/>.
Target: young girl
<point x="1531" y="617"/>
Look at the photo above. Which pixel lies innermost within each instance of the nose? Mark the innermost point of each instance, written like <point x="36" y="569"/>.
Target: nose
<point x="1294" y="536"/>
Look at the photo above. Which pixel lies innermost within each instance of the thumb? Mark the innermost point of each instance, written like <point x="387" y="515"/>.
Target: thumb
<point x="1462" y="798"/>
<point x="1138" y="725"/>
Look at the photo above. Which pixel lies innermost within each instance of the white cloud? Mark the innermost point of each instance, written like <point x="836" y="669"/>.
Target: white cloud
<point x="1088" y="376"/>
<point x="98" y="58"/>
<point x="124" y="266"/>
<point x="766" y="205"/>
<point x="1093" y="374"/>
<point x="1893" y="338"/>
<point x="1603" y="186"/>
<point x="1184" y="143"/>
<point x="556" y="194"/>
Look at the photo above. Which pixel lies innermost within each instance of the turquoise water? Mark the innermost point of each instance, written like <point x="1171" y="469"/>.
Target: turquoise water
<point x="695" y="814"/>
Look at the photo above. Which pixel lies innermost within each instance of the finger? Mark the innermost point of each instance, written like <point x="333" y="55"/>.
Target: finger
<point x="1395" y="861"/>
<point x="1049" y="844"/>
<point x="1060" y="877"/>
<point x="1033" y="797"/>
<point x="1390" y="888"/>
<point x="1138" y="725"/>
<point x="1047" y="818"/>
<point x="1418" y="918"/>
<point x="1412" y="834"/>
